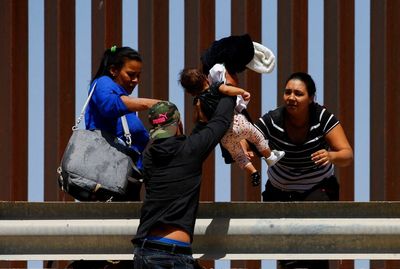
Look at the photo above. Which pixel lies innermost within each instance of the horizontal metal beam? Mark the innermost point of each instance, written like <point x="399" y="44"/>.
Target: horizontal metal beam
<point x="265" y="256"/>
<point x="233" y="231"/>
<point x="217" y="227"/>
<point x="131" y="210"/>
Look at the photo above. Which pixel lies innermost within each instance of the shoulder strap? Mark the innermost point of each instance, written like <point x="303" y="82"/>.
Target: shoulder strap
<point x="126" y="131"/>
<point x="123" y="118"/>
<point x="79" y="119"/>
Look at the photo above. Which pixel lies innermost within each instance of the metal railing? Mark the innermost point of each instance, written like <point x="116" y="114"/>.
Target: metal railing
<point x="234" y="231"/>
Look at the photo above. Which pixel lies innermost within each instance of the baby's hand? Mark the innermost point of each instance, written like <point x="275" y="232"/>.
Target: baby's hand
<point x="246" y="95"/>
<point x="246" y="149"/>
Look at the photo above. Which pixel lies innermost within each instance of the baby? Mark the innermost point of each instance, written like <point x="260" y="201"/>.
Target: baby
<point x="207" y="93"/>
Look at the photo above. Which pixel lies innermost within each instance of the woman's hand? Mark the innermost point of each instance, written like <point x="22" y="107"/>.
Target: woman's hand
<point x="321" y="157"/>
<point x="340" y="152"/>
<point x="138" y="104"/>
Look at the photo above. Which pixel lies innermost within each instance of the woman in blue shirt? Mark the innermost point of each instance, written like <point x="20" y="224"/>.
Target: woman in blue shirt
<point x="116" y="78"/>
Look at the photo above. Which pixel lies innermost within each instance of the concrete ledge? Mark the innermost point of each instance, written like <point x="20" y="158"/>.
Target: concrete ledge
<point x="248" y="230"/>
<point x="131" y="210"/>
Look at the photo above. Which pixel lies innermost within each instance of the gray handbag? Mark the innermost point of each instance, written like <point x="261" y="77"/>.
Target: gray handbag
<point x="97" y="166"/>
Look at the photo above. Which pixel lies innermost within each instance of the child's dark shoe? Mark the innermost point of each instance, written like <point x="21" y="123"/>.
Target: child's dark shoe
<point x="255" y="179"/>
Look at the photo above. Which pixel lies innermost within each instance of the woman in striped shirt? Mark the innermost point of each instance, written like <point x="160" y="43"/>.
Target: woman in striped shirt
<point x="314" y="142"/>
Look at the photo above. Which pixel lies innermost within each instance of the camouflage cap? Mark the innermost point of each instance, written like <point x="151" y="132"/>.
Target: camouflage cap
<point x="164" y="118"/>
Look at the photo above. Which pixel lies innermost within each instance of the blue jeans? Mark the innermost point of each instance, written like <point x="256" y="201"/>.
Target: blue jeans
<point x="145" y="258"/>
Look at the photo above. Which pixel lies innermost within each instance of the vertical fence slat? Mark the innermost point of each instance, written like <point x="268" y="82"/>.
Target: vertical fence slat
<point x="292" y="40"/>
<point x="385" y="106"/>
<point x="339" y="82"/>
<point x="14" y="100"/>
<point x="59" y="110"/>
<point x="246" y="18"/>
<point x="384" y="100"/>
<point x="377" y="101"/>
<point x="199" y="34"/>
<point x="154" y="48"/>
<point x="14" y="105"/>
<point x="393" y="97"/>
<point x="106" y="28"/>
<point x="339" y="77"/>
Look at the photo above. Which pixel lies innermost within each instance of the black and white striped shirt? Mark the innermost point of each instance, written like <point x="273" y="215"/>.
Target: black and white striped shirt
<point x="296" y="171"/>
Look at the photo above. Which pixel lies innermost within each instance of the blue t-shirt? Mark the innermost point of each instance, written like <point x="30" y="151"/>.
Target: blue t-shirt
<point x="105" y="110"/>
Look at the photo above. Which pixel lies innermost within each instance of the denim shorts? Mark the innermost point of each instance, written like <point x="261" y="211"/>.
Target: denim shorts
<point x="145" y="258"/>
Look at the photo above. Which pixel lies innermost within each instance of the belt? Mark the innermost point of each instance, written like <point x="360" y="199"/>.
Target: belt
<point x="170" y="248"/>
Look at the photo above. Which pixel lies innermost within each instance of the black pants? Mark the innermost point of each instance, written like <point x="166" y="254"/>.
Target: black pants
<point x="327" y="190"/>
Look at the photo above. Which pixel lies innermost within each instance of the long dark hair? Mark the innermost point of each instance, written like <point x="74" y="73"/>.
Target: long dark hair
<point x="116" y="57"/>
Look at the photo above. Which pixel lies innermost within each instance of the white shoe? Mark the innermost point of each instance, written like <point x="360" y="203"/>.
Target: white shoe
<point x="275" y="156"/>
